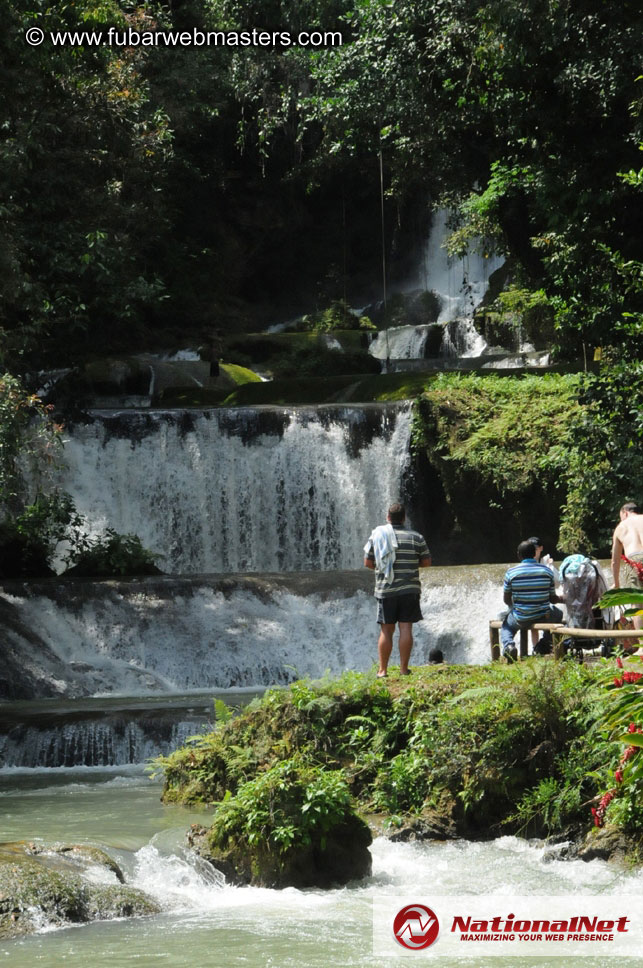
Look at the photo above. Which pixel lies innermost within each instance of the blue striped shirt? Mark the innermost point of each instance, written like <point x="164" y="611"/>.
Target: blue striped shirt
<point x="531" y="585"/>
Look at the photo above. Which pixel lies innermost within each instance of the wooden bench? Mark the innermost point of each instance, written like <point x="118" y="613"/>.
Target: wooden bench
<point x="523" y="649"/>
<point x="559" y="633"/>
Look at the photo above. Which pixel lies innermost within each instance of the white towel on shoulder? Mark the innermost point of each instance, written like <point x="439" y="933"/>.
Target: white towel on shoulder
<point x="383" y="542"/>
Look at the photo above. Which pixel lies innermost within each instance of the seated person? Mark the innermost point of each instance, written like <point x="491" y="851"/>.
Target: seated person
<point x="549" y="562"/>
<point x="529" y="590"/>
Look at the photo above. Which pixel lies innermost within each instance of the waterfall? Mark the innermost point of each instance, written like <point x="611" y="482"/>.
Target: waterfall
<point x="262" y="489"/>
<point x="461" y="339"/>
<point x="460" y="283"/>
<point x="130" y="661"/>
<point x="115" y="742"/>
<point x="400" y="342"/>
<point x="175" y="635"/>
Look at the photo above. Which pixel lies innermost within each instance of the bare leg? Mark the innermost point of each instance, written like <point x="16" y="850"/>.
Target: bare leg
<point x="534" y="638"/>
<point x="385" y="646"/>
<point x="406" y="644"/>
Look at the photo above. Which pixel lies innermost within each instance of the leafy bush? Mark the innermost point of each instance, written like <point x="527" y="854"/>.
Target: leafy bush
<point x="111" y="554"/>
<point x="290" y="805"/>
<point x="29" y="540"/>
<point x="30" y="442"/>
<point x="500" y="747"/>
<point x="338" y="315"/>
<point x="605" y="465"/>
<point x="622" y="725"/>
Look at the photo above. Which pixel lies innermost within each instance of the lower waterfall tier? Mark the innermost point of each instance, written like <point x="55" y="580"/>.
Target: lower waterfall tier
<point x="75" y="637"/>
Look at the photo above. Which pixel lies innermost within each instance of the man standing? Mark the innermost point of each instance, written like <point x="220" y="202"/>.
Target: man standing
<point x="628" y="541"/>
<point x="395" y="554"/>
<point x="528" y="590"/>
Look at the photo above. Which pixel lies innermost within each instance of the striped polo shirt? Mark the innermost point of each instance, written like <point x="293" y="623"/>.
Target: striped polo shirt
<point x="411" y="546"/>
<point x="531" y="585"/>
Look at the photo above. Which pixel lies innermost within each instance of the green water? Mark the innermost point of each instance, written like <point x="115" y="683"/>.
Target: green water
<point x="207" y="924"/>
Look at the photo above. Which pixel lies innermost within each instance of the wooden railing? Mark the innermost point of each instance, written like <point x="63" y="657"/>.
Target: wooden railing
<point x="559" y="633"/>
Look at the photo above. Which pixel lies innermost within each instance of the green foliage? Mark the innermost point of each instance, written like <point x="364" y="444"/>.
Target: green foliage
<point x="337" y="316"/>
<point x="508" y="431"/>
<point x="110" y="554"/>
<point x="621" y="723"/>
<point x="479" y="742"/>
<point x="83" y="152"/>
<point x="465" y="93"/>
<point x="150" y="188"/>
<point x="290" y="805"/>
<point x="606" y="463"/>
<point x="521" y="313"/>
<point x="29" y="444"/>
<point x="505" y="439"/>
<point x="28" y="540"/>
<point x="222" y="712"/>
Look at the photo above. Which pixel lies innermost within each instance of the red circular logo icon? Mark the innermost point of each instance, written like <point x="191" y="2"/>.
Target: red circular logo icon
<point x="416" y="926"/>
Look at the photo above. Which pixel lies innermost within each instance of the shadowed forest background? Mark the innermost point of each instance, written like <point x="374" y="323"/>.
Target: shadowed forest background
<point x="153" y="194"/>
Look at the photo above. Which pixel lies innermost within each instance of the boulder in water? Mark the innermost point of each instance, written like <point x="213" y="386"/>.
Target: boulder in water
<point x="35" y="896"/>
<point x="293" y="826"/>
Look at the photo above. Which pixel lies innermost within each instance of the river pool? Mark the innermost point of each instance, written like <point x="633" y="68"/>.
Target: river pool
<point x="207" y="924"/>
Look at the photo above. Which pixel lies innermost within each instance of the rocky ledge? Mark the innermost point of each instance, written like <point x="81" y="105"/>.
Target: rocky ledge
<point x="45" y="886"/>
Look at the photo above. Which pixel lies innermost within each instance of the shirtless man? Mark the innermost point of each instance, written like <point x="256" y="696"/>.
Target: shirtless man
<point x="628" y="541"/>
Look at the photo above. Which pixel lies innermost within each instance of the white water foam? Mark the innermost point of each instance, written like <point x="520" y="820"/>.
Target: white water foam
<point x="213" y="492"/>
<point x="200" y="638"/>
<point x="506" y="866"/>
<point x="461" y="339"/>
<point x="400" y="343"/>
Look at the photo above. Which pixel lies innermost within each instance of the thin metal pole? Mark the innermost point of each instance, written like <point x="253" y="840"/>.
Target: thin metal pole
<point x="383" y="232"/>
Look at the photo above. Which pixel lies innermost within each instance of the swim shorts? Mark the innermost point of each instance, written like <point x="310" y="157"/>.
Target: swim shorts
<point x="398" y="608"/>
<point x="632" y="576"/>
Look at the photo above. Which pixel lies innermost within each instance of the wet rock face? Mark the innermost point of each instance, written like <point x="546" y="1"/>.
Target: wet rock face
<point x="611" y="844"/>
<point x="43" y="887"/>
<point x="342" y="857"/>
<point x="75" y="857"/>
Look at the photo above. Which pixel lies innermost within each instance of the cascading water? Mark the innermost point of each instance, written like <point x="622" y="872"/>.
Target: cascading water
<point x="400" y="342"/>
<point x="461" y="339"/>
<point x="169" y="635"/>
<point x="244" y="490"/>
<point x="205" y="921"/>
<point x="112" y="742"/>
<point x="460" y="283"/>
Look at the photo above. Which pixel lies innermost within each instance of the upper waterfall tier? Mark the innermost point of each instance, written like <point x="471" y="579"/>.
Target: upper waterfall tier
<point x="263" y="489"/>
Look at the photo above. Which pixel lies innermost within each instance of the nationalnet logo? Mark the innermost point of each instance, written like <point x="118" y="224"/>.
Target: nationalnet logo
<point x="467" y="925"/>
<point x="415" y="927"/>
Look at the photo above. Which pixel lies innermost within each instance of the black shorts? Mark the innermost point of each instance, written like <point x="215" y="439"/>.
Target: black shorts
<point x="398" y="608"/>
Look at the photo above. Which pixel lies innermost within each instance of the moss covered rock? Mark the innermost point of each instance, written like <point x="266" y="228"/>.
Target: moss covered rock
<point x="612" y="844"/>
<point x="293" y="826"/>
<point x="34" y="895"/>
<point x="79" y="857"/>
